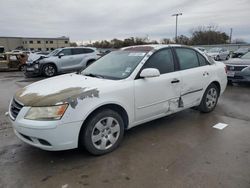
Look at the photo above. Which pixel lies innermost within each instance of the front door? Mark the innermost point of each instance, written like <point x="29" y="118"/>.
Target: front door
<point x="158" y="95"/>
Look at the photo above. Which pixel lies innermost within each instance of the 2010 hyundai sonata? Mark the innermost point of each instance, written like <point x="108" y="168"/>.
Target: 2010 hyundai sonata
<point x="120" y="90"/>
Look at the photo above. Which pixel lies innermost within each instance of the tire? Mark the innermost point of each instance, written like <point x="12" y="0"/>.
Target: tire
<point x="49" y="70"/>
<point x="209" y="99"/>
<point x="217" y="58"/>
<point x="229" y="82"/>
<point x="89" y="62"/>
<point x="103" y="132"/>
<point x="22" y="68"/>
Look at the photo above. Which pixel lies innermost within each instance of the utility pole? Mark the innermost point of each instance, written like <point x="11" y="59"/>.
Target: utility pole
<point x="208" y="35"/>
<point x="231" y="33"/>
<point x="176" y="23"/>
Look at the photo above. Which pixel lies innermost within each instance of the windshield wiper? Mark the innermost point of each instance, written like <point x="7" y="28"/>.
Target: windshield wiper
<point x="93" y="75"/>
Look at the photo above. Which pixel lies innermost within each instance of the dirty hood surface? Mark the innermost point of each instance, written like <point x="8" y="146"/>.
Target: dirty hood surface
<point x="66" y="88"/>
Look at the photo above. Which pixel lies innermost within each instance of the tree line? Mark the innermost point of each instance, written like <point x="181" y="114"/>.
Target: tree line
<point x="199" y="36"/>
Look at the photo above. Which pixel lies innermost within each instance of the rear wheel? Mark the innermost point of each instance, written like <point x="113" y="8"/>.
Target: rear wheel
<point x="209" y="99"/>
<point x="103" y="132"/>
<point x="49" y="70"/>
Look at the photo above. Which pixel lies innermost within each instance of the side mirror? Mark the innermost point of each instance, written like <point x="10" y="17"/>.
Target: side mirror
<point x="149" y="73"/>
<point x="60" y="55"/>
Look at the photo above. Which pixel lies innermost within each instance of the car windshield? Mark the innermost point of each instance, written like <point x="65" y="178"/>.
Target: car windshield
<point x="246" y="56"/>
<point x="115" y="65"/>
<point x="54" y="52"/>
<point x="213" y="50"/>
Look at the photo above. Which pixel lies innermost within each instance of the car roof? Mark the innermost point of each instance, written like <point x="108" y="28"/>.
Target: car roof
<point x="80" y="47"/>
<point x="152" y="47"/>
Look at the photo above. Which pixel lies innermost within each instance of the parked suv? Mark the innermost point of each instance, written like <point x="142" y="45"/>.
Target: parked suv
<point x="62" y="60"/>
<point x="122" y="89"/>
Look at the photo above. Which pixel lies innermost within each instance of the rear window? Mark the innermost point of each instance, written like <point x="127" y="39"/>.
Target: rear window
<point x="82" y="51"/>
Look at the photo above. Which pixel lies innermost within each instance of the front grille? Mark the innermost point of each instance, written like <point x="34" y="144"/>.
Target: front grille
<point x="238" y="77"/>
<point x="15" y="108"/>
<point x="235" y="68"/>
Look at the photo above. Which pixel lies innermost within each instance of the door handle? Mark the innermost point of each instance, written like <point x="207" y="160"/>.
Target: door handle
<point x="175" y="81"/>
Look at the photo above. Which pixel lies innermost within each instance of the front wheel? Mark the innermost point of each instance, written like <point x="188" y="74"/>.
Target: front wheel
<point x="209" y="99"/>
<point x="103" y="132"/>
<point x="49" y="70"/>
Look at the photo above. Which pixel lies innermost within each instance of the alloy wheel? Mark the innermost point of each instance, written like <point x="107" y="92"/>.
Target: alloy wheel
<point x="49" y="70"/>
<point x="105" y="133"/>
<point x="211" y="98"/>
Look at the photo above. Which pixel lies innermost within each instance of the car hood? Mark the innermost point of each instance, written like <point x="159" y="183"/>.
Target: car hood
<point x="238" y="61"/>
<point x="68" y="88"/>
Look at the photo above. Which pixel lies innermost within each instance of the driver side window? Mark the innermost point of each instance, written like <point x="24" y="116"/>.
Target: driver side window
<point x="66" y="52"/>
<point x="161" y="60"/>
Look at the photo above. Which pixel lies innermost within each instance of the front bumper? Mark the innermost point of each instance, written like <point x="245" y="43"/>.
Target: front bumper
<point x="47" y="135"/>
<point x="32" y="70"/>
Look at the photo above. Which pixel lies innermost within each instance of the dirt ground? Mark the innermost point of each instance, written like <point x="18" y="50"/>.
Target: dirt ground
<point x="181" y="150"/>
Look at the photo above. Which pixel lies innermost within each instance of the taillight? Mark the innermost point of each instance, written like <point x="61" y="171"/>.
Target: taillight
<point x="226" y="68"/>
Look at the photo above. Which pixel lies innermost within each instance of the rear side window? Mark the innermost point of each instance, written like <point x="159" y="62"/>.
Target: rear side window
<point x="87" y="50"/>
<point x="161" y="60"/>
<point x="78" y="51"/>
<point x="202" y="60"/>
<point x="82" y="51"/>
<point x="187" y="58"/>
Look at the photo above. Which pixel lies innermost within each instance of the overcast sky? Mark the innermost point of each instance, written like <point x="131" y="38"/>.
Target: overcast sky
<point x="84" y="20"/>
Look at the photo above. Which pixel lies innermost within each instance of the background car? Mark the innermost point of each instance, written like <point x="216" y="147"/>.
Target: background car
<point x="10" y="61"/>
<point x="62" y="60"/>
<point x="219" y="53"/>
<point x="240" y="52"/>
<point x="201" y="49"/>
<point x="238" y="69"/>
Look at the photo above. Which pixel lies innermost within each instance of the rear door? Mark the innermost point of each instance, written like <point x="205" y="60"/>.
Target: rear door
<point x="196" y="74"/>
<point x="158" y="95"/>
<point x="79" y="55"/>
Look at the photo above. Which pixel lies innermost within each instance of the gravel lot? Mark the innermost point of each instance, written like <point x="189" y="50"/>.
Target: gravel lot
<point x="181" y="150"/>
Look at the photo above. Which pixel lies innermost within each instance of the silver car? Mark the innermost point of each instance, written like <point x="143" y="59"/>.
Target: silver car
<point x="219" y="53"/>
<point x="62" y="60"/>
<point x="238" y="69"/>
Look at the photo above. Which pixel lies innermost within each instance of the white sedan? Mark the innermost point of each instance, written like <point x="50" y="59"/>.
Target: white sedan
<point x="123" y="89"/>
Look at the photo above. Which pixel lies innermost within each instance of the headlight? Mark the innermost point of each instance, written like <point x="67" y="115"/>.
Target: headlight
<point x="36" y="66"/>
<point x="46" y="113"/>
<point x="247" y="69"/>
